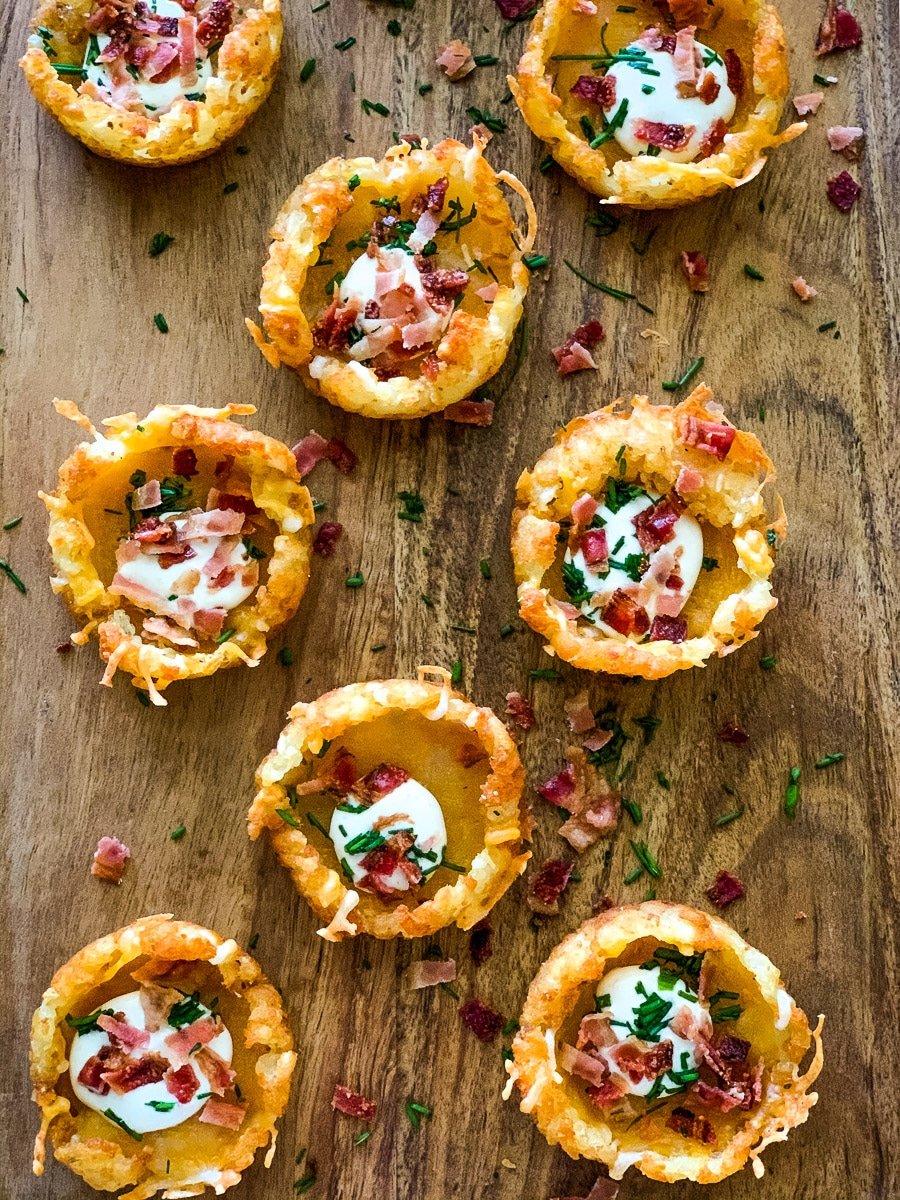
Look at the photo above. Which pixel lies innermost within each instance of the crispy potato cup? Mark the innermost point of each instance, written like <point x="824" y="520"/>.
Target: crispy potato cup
<point x="188" y="1158"/>
<point x="637" y="1134"/>
<point x="89" y="520"/>
<point x="463" y="754"/>
<point x="731" y="498"/>
<point x="319" y="233"/>
<point x="244" y="64"/>
<point x="564" y="42"/>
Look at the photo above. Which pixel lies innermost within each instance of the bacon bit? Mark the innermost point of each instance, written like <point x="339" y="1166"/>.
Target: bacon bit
<point x="547" y="884"/>
<point x="689" y="480"/>
<point x="711" y="436"/>
<point x="708" y="88"/>
<point x="106" y="1059"/>
<point x="223" y="1113"/>
<point x="559" y="788"/>
<point x="427" y="972"/>
<point x="730" y="732"/>
<point x="584" y="509"/>
<point x="803" y="289"/>
<point x="484" y="1022"/>
<point x="148" y="1069"/>
<point x="156" y="1001"/>
<point x="597" y="740"/>
<point x="715" y="1097"/>
<point x="714" y="138"/>
<point x="471" y="412"/>
<point x="668" y="629"/>
<point x="575" y="352"/>
<point x="652" y="39"/>
<point x="596" y="89"/>
<point x="520" y="710"/>
<point x="313" y="449"/>
<point x="488" y="293"/>
<point x="603" y="1189"/>
<point x="352" y="1104"/>
<point x="656" y="525"/>
<point x="343" y="770"/>
<point x="624" y="615"/>
<point x="110" y="858"/>
<point x="639" y="1064"/>
<point x="455" y="60"/>
<point x="584" y="1066"/>
<point x="215" y="22"/>
<point x="183" y="1040"/>
<point x="594" y="546"/>
<point x="696" y="270"/>
<point x="481" y="942"/>
<point x="380" y="781"/>
<point x="147" y="496"/>
<point x="514" y="10"/>
<point x="733" y="1049"/>
<point x="734" y="70"/>
<point x="184" y="460"/>
<point x="433" y="199"/>
<point x="808" y="103"/>
<point x="183" y="1084"/>
<point x="65" y="647"/>
<point x="604" y="1096"/>
<point x="839" y="30"/>
<point x="327" y="537"/>
<point x="331" y="330"/>
<point x="177" y="556"/>
<point x="846" y="139"/>
<point x="684" y="60"/>
<point x="578" y="713"/>
<point x="843" y="191"/>
<point x="602" y="904"/>
<point x="689" y="1125"/>
<point x="431" y="367"/>
<point x="800" y="916"/>
<point x="123" y="1034"/>
<point x="658" y="133"/>
<point x="441" y="285"/>
<point x="725" y="889"/>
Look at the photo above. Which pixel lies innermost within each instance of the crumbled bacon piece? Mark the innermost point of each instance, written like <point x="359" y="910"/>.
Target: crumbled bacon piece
<point x="433" y="199"/>
<point x="232" y="502"/>
<point x="584" y="1066"/>
<point x="708" y="88"/>
<point x="520" y="710"/>
<point x="146" y="496"/>
<point x="734" y="71"/>
<point x="733" y="733"/>
<point x="156" y="1001"/>
<point x="624" y="615"/>
<point x="471" y="412"/>
<point x="484" y="1022"/>
<point x="332" y="330"/>
<point x="839" y="30"/>
<point x="353" y="1104"/>
<point x="604" y="1096"/>
<point x="547" y="884"/>
<point x="201" y="1031"/>
<point x="215" y="1068"/>
<point x="658" y="133"/>
<point x="559" y="788"/>
<point x="711" y="436"/>
<point x="121" y="1033"/>
<point x="594" y="806"/>
<point x="110" y="858"/>
<point x="725" y="889"/>
<point x="431" y="368"/>
<point x="594" y="546"/>
<point x="179" y="556"/>
<point x="184" y="462"/>
<point x="428" y="972"/>
<point x="803" y="289"/>
<point x="579" y="714"/>
<point x="343" y="770"/>
<point x="601" y="903"/>
<point x="313" y="449"/>
<point x="696" y="270"/>
<point x="808" y="103"/>
<point x="380" y="781"/>
<point x="843" y="191"/>
<point x="733" y="1049"/>
<point x="584" y="509"/>
<point x="481" y="942"/>
<point x="183" y="1084"/>
<point x="441" y="285"/>
<point x="846" y="139"/>
<point x="668" y="629"/>
<point x="642" y="1064"/>
<point x="689" y="1125"/>
<point x="327" y="537"/>
<point x="223" y="1113"/>
<point x="596" y="89"/>
<point x="575" y="352"/>
<point x="215" y="22"/>
<point x="714" y="137"/>
<point x="141" y="1071"/>
<point x="107" y="1058"/>
<point x="514" y="10"/>
<point x="655" y="525"/>
<point x="455" y="60"/>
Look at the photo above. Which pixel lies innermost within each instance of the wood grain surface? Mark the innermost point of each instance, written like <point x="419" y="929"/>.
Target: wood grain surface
<point x="80" y="761"/>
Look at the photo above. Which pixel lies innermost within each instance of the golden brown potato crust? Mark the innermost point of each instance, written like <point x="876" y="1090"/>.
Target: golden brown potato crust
<point x="191" y="129"/>
<point x="471" y="350"/>
<point x="109" y="1165"/>
<point x="732" y="497"/>
<point x="277" y="491"/>
<point x="506" y="819"/>
<point x="646" y="182"/>
<point x="776" y="1028"/>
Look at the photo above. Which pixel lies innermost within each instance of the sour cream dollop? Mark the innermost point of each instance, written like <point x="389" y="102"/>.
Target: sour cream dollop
<point x="409" y="808"/>
<point x="152" y="1106"/>
<point x="392" y="282"/>
<point x="656" y="97"/>
<point x="677" y="561"/>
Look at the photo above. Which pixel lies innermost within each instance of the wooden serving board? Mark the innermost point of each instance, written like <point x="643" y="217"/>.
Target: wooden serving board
<point x="80" y="761"/>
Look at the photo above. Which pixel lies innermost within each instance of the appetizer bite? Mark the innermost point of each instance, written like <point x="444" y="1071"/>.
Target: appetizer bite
<point x="655" y="1037"/>
<point x="659" y="103"/>
<point x="642" y="541"/>
<point x="161" y="1059"/>
<point x="396" y="806"/>
<point x="152" y="82"/>
<point x="182" y="539"/>
<point x="395" y="287"/>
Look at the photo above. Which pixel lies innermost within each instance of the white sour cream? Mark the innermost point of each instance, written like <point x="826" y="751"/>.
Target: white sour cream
<point x="135" y="1108"/>
<point x="156" y="98"/>
<point x="630" y="987"/>
<point x="359" y="287"/>
<point x="684" y="551"/>
<point x="408" y="807"/>
<point x="665" y="104"/>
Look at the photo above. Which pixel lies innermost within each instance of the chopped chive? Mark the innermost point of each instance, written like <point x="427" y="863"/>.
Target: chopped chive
<point x="304" y="1184"/>
<point x="353" y="182"/>
<point x="507" y="630"/>
<point x="549" y="673"/>
<point x="634" y="876"/>
<point x="616" y="293"/>
<point x="22" y="296"/>
<point x="362" y="1137"/>
<point x="484" y="565"/>
<point x="307" y="69"/>
<point x="768" y="662"/>
<point x="322" y="4"/>
<point x="646" y="859"/>
<point x="229" y="188"/>
<point x="286" y="656"/>
<point x="792" y="792"/>
<point x="753" y="272"/>
<point x="373" y="106"/>
<point x="158" y="243"/>
<point x="355" y="581"/>
<point x="634" y="810"/>
<point x="161" y="323"/>
<point x="425" y="88"/>
<point x="116" y="1120"/>
<point x="463" y="628"/>
<point x="378" y="647"/>
<point x="761" y="412"/>
<point x="674" y="385"/>
<point x="12" y="522"/>
<point x="178" y="833"/>
<point x="426" y="600"/>
<point x="226" y="635"/>
<point x="486" y="60"/>
<point x="827" y="327"/>
<point x="162" y="1105"/>
<point x="12" y="576"/>
<point x="649" y="724"/>
<point x="709" y="564"/>
<point x="394" y="28"/>
<point x="317" y="824"/>
<point x="345" y="44"/>
<point x="626" y="8"/>
<point x="535" y="262"/>
<point x="728" y="817"/>
<point x="415" y="1112"/>
<point x="829" y="760"/>
<point x="69" y="69"/>
<point x="546" y="164"/>
<point x="480" y="116"/>
<point x="453" y="866"/>
<point x="456" y="671"/>
<point x="288" y="817"/>
<point x="825" y="80"/>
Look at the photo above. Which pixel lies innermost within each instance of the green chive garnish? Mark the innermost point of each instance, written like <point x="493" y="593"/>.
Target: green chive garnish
<point x="646" y="859"/>
<point x="792" y="792"/>
<point x="161" y="323"/>
<point x="178" y="833"/>
<point x="674" y="385"/>
<point x="158" y="243"/>
<point x="307" y="69"/>
<point x="753" y="272"/>
<point x="829" y="760"/>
